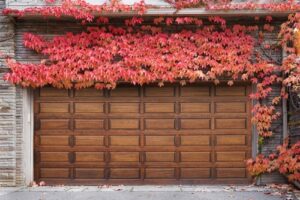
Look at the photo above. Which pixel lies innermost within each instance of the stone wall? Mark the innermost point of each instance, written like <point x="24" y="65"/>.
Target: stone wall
<point x="7" y="106"/>
<point x="10" y="111"/>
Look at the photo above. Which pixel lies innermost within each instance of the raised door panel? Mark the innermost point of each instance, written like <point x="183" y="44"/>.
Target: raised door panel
<point x="125" y="92"/>
<point x="124" y="140"/>
<point x="231" y="123"/>
<point x="230" y="107"/>
<point x="200" y="91"/>
<point x="52" y="124"/>
<point x="159" y="107"/>
<point x="89" y="92"/>
<point x="195" y="123"/>
<point x="159" y="124"/>
<point x="89" y="156"/>
<point x="231" y="139"/>
<point x="124" y="173"/>
<point x="54" y="140"/>
<point x="195" y="173"/>
<point x="124" y="156"/>
<point x="54" y="107"/>
<point x="54" y="173"/>
<point x="124" y="124"/>
<point x="89" y="140"/>
<point x="195" y="140"/>
<point x="53" y="92"/>
<point x="160" y="156"/>
<point x="159" y="140"/>
<point x="88" y="107"/>
<point x="85" y="124"/>
<point x="231" y="173"/>
<point x="89" y="173"/>
<point x="159" y="91"/>
<point x="195" y="107"/>
<point x="231" y="156"/>
<point x="54" y="157"/>
<point x="195" y="156"/>
<point x="160" y="173"/>
<point x="124" y="107"/>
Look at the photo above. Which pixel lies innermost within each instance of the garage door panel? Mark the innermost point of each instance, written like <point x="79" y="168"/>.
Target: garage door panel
<point x="195" y="123"/>
<point x="231" y="172"/>
<point x="159" y="123"/>
<point x="124" y="140"/>
<point x="124" y="173"/>
<point x="230" y="107"/>
<point x="86" y="124"/>
<point x="53" y="140"/>
<point x="54" y="172"/>
<point x="195" y="156"/>
<point x="124" y="156"/>
<point x="230" y="156"/>
<point x="54" y="124"/>
<point x="124" y="107"/>
<point x="159" y="107"/>
<point x="159" y="92"/>
<point x="125" y="92"/>
<point x="159" y="140"/>
<point x="195" y="173"/>
<point x="89" y="173"/>
<point x="231" y="139"/>
<point x="54" y="157"/>
<point x="195" y="140"/>
<point x="53" y="92"/>
<point x="195" y="107"/>
<point x="89" y="107"/>
<point x="192" y="91"/>
<point x="54" y="107"/>
<point x="89" y="92"/>
<point x="240" y="164"/>
<point x="160" y="156"/>
<point x="124" y="124"/>
<point x="89" y="156"/>
<point x="160" y="173"/>
<point x="231" y="123"/>
<point x="89" y="140"/>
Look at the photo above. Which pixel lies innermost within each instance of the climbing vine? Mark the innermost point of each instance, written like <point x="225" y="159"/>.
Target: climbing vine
<point x="140" y="53"/>
<point x="285" y="160"/>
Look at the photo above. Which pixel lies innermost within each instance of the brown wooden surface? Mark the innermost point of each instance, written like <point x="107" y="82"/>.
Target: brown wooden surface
<point x="174" y="134"/>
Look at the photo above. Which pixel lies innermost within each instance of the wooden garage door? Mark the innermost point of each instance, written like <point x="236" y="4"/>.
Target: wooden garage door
<point x="172" y="134"/>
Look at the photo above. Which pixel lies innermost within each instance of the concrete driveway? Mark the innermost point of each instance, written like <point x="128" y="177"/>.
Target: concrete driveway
<point x="147" y="193"/>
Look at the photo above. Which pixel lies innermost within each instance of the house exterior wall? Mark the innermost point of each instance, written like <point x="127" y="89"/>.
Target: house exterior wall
<point x="294" y="118"/>
<point x="12" y="105"/>
<point x="10" y="111"/>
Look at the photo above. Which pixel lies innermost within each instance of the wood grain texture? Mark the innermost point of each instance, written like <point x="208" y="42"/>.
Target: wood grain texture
<point x="193" y="133"/>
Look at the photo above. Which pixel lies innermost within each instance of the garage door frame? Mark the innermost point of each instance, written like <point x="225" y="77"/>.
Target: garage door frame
<point x="28" y="130"/>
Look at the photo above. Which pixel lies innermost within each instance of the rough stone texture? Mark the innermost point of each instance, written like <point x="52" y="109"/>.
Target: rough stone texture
<point x="10" y="111"/>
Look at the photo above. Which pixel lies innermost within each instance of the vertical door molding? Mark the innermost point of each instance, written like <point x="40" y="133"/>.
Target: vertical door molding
<point x="28" y="164"/>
